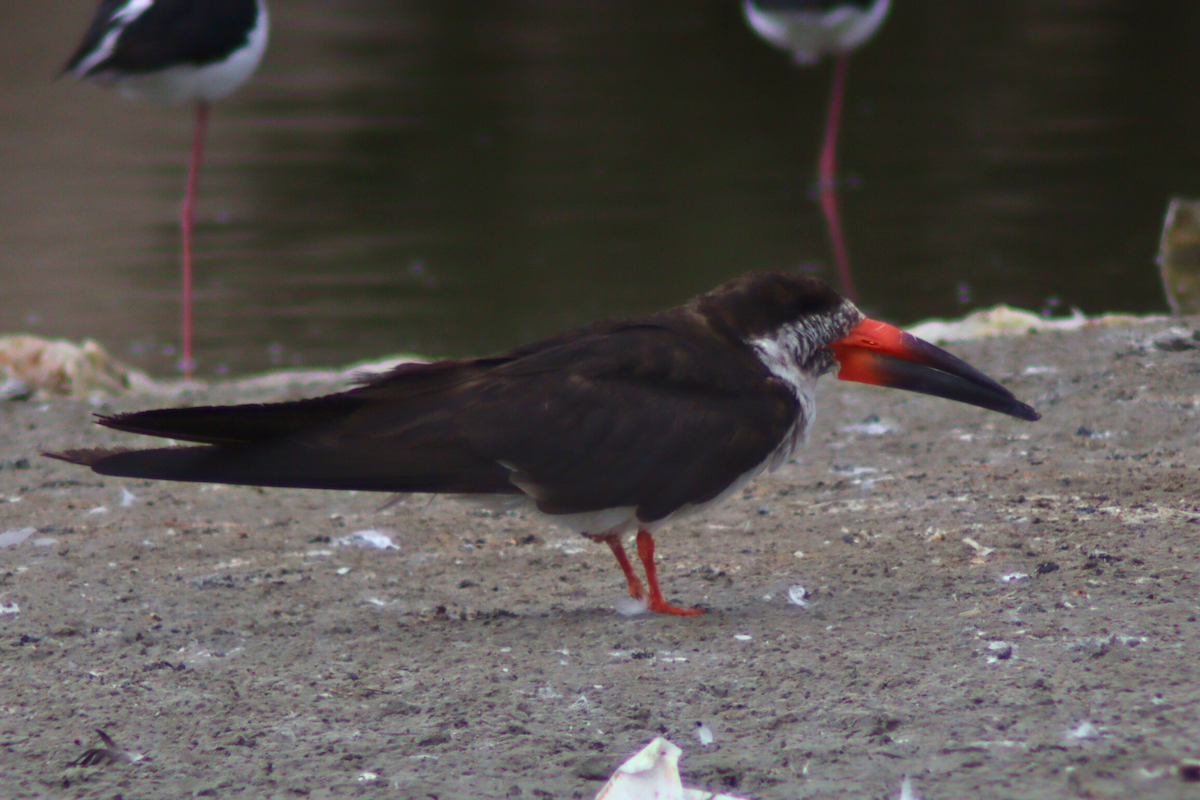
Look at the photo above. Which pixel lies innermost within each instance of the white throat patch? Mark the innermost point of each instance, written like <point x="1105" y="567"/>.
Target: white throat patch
<point x="787" y="352"/>
<point x="781" y="355"/>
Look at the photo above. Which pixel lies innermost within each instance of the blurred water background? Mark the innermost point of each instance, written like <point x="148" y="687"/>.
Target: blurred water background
<point x="451" y="177"/>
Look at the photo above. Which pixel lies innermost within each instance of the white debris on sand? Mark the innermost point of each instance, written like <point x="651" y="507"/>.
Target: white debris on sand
<point x="798" y="596"/>
<point x="907" y="792"/>
<point x="368" y="538"/>
<point x="981" y="552"/>
<point x="15" y="536"/>
<point x="59" y="367"/>
<point x="653" y="774"/>
<point x="1084" y="730"/>
<point x="872" y="426"/>
<point x="1005" y="320"/>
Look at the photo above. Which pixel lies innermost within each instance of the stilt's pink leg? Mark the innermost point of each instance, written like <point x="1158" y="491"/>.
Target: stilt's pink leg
<point x="827" y="179"/>
<point x="187" y="221"/>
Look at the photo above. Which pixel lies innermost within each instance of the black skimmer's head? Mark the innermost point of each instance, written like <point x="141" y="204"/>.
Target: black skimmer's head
<point x="809" y="29"/>
<point x="800" y="329"/>
<point x="174" y="51"/>
<point x="615" y="427"/>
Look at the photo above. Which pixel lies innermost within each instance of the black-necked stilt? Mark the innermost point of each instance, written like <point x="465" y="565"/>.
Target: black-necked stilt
<point x="175" y="51"/>
<point x="616" y="427"/>
<point x="809" y="29"/>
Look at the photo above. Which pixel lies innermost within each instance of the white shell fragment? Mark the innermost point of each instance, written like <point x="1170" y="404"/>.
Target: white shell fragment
<point x="981" y="552"/>
<point x="907" y="792"/>
<point x="653" y="774"/>
<point x="368" y="538"/>
<point x="872" y="426"/>
<point x="16" y="536"/>
<point x="1084" y="730"/>
<point x="798" y="596"/>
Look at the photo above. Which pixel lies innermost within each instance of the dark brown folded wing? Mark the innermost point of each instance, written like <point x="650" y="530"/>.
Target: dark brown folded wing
<point x="647" y="415"/>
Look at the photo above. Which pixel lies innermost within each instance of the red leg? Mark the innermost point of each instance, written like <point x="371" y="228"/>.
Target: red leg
<point x="187" y="220"/>
<point x="614" y="543"/>
<point x="645" y="542"/>
<point x="827" y="180"/>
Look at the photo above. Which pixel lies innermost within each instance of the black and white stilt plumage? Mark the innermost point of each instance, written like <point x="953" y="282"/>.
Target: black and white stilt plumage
<point x="175" y="51"/>
<point x="810" y="29"/>
<point x="617" y="427"/>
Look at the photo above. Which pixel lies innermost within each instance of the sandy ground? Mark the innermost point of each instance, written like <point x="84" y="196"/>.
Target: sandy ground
<point x="995" y="608"/>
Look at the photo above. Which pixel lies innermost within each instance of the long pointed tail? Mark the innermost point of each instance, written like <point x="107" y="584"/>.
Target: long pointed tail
<point x="304" y="466"/>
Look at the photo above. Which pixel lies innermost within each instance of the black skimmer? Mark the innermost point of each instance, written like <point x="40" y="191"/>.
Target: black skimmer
<point x="809" y="29"/>
<point x="616" y="427"/>
<point x="175" y="51"/>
